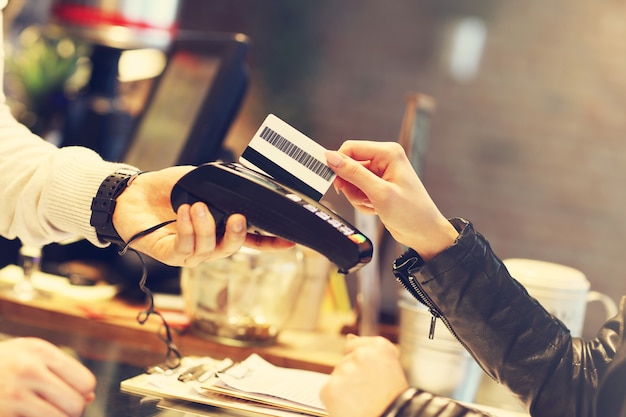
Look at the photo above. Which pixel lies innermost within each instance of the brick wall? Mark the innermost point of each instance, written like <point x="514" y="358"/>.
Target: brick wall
<point x="532" y="150"/>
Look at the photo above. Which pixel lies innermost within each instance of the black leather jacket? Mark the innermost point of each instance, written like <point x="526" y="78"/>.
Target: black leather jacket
<point x="513" y="338"/>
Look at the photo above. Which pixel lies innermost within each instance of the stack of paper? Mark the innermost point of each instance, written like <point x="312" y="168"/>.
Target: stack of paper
<point x="253" y="385"/>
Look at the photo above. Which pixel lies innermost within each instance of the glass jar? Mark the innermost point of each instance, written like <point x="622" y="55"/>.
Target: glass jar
<point x="244" y="299"/>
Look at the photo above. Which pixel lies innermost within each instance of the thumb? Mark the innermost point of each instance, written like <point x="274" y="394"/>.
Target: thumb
<point x="351" y="171"/>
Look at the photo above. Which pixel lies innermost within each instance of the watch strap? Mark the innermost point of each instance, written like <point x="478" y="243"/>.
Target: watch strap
<point x="103" y="204"/>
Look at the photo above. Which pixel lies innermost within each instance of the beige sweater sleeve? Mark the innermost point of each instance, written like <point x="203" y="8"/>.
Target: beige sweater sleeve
<point x="45" y="192"/>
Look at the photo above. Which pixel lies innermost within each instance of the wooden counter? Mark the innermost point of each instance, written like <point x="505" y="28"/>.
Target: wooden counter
<point x="108" y="330"/>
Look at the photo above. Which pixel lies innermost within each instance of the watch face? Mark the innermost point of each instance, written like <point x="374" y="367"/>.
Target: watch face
<point x="127" y="171"/>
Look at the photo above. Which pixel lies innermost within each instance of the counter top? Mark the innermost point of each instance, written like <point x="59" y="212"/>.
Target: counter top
<point x="108" y="330"/>
<point x="104" y="333"/>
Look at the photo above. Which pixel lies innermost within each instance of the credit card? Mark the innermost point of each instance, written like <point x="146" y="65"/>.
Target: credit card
<point x="289" y="157"/>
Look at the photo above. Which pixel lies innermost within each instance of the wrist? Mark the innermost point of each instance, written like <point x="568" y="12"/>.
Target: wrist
<point x="104" y="203"/>
<point x="435" y="241"/>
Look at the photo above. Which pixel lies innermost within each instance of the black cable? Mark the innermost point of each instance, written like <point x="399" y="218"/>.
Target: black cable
<point x="172" y="356"/>
<point x="142" y="234"/>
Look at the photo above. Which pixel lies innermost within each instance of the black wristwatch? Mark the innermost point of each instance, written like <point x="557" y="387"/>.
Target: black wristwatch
<point x="103" y="204"/>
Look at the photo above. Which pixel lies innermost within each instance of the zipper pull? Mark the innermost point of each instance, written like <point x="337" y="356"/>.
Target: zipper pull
<point x="431" y="332"/>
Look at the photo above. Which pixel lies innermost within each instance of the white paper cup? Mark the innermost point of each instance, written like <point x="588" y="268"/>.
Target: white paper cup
<point x="440" y="365"/>
<point x="562" y="290"/>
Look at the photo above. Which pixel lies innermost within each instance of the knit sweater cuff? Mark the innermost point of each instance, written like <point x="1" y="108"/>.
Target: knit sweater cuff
<point x="77" y="178"/>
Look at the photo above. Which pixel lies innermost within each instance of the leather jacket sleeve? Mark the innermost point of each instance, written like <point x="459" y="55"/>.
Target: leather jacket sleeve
<point x="513" y="338"/>
<point x="415" y="402"/>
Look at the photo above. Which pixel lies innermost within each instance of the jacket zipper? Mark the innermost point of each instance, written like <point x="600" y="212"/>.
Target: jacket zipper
<point x="408" y="281"/>
<point x="417" y="292"/>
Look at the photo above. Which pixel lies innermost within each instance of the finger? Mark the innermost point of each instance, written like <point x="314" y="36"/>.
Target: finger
<point x="365" y="150"/>
<point x="356" y="342"/>
<point x="377" y="342"/>
<point x="234" y="235"/>
<point x="65" y="383"/>
<point x="281" y="244"/>
<point x="32" y="405"/>
<point x="70" y="370"/>
<point x="352" y="172"/>
<point x="185" y="239"/>
<point x="61" y="395"/>
<point x="267" y="243"/>
<point x="357" y="198"/>
<point x="355" y="195"/>
<point x="203" y="224"/>
<point x="351" y="341"/>
<point x="59" y="364"/>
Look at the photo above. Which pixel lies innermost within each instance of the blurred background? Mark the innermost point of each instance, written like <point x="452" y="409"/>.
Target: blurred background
<point x="528" y="136"/>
